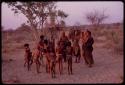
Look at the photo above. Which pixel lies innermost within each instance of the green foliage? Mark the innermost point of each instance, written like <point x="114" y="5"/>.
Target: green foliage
<point x="37" y="13"/>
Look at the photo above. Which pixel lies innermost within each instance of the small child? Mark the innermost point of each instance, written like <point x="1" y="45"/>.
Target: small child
<point x="69" y="53"/>
<point x="28" y="56"/>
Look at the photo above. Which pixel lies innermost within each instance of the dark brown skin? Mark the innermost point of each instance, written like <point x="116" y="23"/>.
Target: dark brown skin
<point x="51" y="61"/>
<point x="50" y="67"/>
<point x="69" y="51"/>
<point x="84" y="38"/>
<point x="76" y="52"/>
<point x="52" y="64"/>
<point x="28" y="58"/>
<point x="59" y="56"/>
<point x="64" y="39"/>
<point x="36" y="57"/>
<point x="41" y="47"/>
<point x="87" y="46"/>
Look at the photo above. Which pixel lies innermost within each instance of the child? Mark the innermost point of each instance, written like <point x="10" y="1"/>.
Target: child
<point x="59" y="52"/>
<point x="28" y="56"/>
<point x="69" y="53"/>
<point x="41" y="47"/>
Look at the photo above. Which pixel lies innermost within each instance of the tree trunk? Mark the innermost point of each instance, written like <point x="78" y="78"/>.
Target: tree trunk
<point x="35" y="34"/>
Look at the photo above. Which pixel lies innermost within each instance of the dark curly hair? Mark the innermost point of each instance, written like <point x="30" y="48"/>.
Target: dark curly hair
<point x="69" y="43"/>
<point x="26" y="45"/>
<point x="42" y="37"/>
<point x="46" y="42"/>
<point x="89" y="32"/>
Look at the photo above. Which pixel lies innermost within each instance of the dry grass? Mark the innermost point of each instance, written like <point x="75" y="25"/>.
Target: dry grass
<point x="110" y="38"/>
<point x="107" y="67"/>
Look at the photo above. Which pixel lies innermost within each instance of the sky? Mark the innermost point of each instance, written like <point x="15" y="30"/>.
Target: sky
<point x="75" y="9"/>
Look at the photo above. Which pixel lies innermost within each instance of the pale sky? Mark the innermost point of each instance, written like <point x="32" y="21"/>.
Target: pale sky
<point x="75" y="9"/>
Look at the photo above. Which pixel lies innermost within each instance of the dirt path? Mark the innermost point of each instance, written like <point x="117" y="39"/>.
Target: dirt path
<point x="108" y="68"/>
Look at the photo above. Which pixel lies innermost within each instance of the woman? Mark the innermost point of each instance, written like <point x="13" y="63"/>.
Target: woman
<point x="87" y="46"/>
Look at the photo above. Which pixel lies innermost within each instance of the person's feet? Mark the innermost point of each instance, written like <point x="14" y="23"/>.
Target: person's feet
<point x="71" y="73"/>
<point x="86" y="63"/>
<point x="54" y="76"/>
<point x="89" y="65"/>
<point x="38" y="72"/>
<point x="25" y="65"/>
<point x="60" y="73"/>
<point x="79" y="61"/>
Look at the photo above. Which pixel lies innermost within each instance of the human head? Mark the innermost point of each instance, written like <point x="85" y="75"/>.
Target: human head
<point x="46" y="42"/>
<point x="89" y="33"/>
<point x="86" y="33"/>
<point x="42" y="37"/>
<point x="69" y="44"/>
<point x="26" y="45"/>
<point x="60" y="43"/>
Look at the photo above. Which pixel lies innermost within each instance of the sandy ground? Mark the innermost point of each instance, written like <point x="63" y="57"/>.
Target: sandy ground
<point x="108" y="68"/>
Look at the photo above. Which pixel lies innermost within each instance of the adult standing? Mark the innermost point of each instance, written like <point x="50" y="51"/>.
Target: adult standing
<point x="41" y="47"/>
<point x="64" y="39"/>
<point x="88" y="48"/>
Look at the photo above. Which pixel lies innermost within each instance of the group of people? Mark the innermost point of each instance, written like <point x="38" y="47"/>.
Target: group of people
<point x="62" y="51"/>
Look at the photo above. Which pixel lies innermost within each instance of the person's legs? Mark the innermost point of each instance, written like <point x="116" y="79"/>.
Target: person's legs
<point x="47" y="68"/>
<point x="25" y="63"/>
<point x="64" y="57"/>
<point x="86" y="61"/>
<point x="60" y="66"/>
<point x="71" y="66"/>
<point x="85" y="57"/>
<point x="89" y="59"/>
<point x="92" y="58"/>
<point x="54" y="71"/>
<point x="41" y="58"/>
<point x="31" y="61"/>
<point x="28" y="65"/>
<point x="37" y="66"/>
<point x="68" y="68"/>
<point x="78" y="58"/>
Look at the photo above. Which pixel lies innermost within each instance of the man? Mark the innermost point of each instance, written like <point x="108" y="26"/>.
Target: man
<point x="64" y="39"/>
<point x="59" y="53"/>
<point x="50" y="58"/>
<point x="76" y="46"/>
<point x="41" y="47"/>
<point x="36" y="57"/>
<point x="69" y="54"/>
